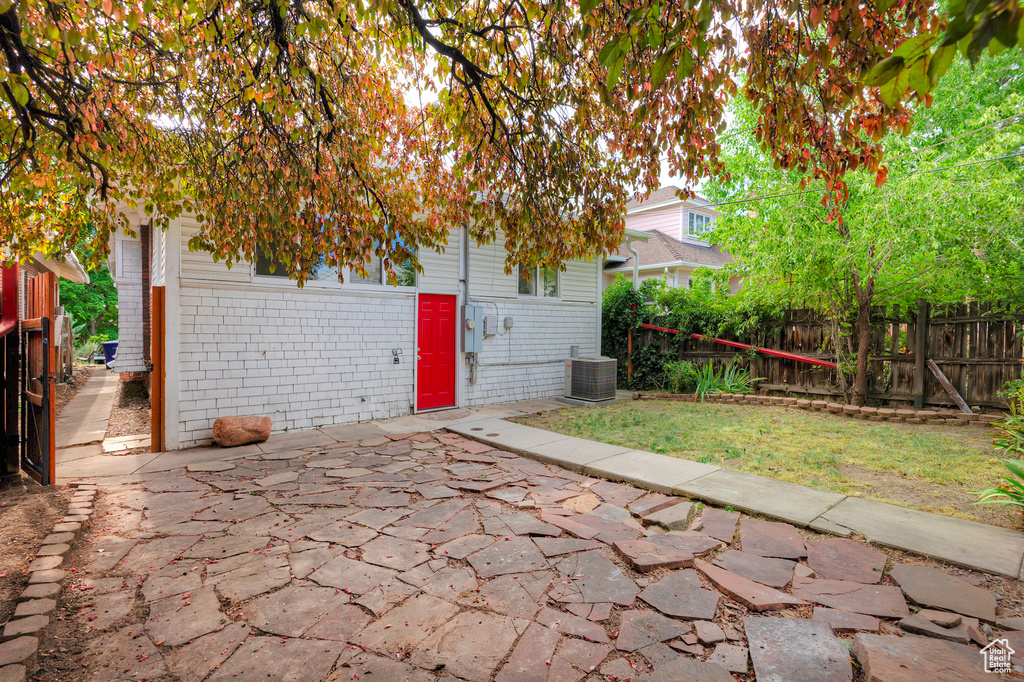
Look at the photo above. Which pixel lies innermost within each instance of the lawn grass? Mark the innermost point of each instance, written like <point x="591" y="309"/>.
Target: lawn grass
<point x="930" y="468"/>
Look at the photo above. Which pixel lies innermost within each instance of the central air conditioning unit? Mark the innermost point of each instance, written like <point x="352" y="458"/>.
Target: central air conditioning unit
<point x="590" y="379"/>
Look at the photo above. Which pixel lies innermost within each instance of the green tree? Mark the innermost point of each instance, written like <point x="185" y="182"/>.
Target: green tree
<point x="287" y="125"/>
<point x="947" y="225"/>
<point x="92" y="305"/>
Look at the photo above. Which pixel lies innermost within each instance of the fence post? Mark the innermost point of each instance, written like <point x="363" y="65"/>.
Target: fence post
<point x="629" y="354"/>
<point x="920" y="352"/>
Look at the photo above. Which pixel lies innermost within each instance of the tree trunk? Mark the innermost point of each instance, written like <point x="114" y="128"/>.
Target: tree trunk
<point x="862" y="329"/>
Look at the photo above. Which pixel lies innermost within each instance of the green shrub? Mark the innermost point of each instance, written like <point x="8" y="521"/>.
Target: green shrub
<point x="622" y="310"/>
<point x="1013" y="392"/>
<point x="1010" y="437"/>
<point x="729" y="379"/>
<point x="681" y="376"/>
<point x="1012" y="496"/>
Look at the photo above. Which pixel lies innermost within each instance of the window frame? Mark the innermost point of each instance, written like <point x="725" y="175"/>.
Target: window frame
<point x="345" y="271"/>
<point x="284" y="279"/>
<point x="383" y="284"/>
<point x="537" y="282"/>
<point x="707" y="226"/>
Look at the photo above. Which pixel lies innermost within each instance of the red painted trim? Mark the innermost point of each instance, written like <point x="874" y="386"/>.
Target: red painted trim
<point x="9" y="301"/>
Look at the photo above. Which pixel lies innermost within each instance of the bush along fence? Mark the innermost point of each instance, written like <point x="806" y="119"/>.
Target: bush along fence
<point x="975" y="348"/>
<point x="937" y="417"/>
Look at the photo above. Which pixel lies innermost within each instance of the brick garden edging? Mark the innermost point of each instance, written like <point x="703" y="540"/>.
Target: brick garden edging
<point x="19" y="640"/>
<point x="874" y="414"/>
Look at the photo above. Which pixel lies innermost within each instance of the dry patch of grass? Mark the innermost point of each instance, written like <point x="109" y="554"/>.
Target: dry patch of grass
<point x="929" y="468"/>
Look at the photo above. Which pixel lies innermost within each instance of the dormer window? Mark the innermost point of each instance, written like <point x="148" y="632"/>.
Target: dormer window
<point x="700" y="224"/>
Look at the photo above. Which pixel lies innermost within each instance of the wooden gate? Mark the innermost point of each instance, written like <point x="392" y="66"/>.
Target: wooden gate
<point x="38" y="363"/>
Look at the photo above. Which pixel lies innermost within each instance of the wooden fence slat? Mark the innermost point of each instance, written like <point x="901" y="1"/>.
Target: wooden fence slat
<point x="975" y="347"/>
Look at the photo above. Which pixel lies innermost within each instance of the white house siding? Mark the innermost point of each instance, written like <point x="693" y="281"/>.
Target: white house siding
<point x="322" y="355"/>
<point x="303" y="357"/>
<point x="668" y="220"/>
<point x="200" y="264"/>
<point x="578" y="282"/>
<point x="441" y="268"/>
<point x="487" y="276"/>
<point x="527" y="362"/>
<point x="128" y="279"/>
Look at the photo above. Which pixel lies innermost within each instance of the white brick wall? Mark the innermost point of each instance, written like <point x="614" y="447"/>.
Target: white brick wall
<point x="542" y="333"/>
<point x="128" y="277"/>
<point x="321" y="355"/>
<point x="305" y="358"/>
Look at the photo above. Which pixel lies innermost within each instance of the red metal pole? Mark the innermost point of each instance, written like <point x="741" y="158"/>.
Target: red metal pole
<point x="765" y="351"/>
<point x="775" y="353"/>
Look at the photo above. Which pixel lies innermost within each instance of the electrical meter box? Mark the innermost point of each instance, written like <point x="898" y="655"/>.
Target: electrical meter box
<point x="472" y="328"/>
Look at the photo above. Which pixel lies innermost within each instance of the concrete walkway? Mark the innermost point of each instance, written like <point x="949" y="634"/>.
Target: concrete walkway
<point x="964" y="543"/>
<point x="83" y="421"/>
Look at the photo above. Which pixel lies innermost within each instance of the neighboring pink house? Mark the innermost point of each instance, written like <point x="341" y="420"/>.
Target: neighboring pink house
<point x="677" y="246"/>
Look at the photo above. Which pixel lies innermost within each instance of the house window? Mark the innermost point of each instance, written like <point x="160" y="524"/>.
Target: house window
<point x="376" y="274"/>
<point x="538" y="277"/>
<point x="267" y="266"/>
<point x="700" y="224"/>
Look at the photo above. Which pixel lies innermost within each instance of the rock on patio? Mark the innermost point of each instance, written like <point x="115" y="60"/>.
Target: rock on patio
<point x="429" y="556"/>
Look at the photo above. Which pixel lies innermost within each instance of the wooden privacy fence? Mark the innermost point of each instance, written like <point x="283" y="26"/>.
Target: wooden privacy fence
<point x="977" y="346"/>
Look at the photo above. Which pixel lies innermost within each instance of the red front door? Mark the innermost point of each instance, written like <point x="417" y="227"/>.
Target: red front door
<point x="435" y="368"/>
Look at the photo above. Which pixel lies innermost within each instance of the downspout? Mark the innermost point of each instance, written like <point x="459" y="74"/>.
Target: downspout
<point x="636" y="263"/>
<point x="600" y="296"/>
<point x="471" y="359"/>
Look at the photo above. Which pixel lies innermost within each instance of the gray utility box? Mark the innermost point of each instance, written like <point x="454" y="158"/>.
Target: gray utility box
<point x="590" y="379"/>
<point x="472" y="328"/>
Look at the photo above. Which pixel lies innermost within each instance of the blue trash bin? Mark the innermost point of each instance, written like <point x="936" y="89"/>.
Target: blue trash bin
<point x="109" y="352"/>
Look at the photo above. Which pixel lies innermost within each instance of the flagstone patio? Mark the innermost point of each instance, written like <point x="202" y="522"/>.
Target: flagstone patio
<point x="424" y="556"/>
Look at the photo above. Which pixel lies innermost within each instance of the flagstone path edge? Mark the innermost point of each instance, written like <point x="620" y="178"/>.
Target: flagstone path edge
<point x="960" y="542"/>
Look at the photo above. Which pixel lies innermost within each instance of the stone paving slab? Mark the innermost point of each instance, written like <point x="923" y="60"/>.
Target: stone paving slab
<point x="930" y="587"/>
<point x="76" y="452"/>
<point x="279" y="442"/>
<point x="796" y="650"/>
<point x="648" y="470"/>
<point x="105" y="465"/>
<point x="292" y="660"/>
<point x="958" y="541"/>
<point x="349" y="432"/>
<point x="917" y="659"/>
